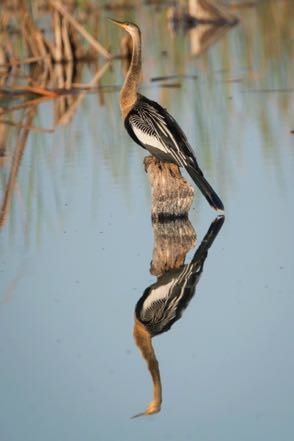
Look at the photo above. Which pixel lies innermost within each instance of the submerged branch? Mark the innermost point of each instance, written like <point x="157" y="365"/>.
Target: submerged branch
<point x="18" y="62"/>
<point x="22" y="126"/>
<point x="35" y="89"/>
<point x="29" y="103"/>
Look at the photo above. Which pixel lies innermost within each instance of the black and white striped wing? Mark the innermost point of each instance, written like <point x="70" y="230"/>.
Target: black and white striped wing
<point x="163" y="302"/>
<point x="155" y="129"/>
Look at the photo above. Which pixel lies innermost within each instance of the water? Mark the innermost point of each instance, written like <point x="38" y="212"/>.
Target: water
<point x="77" y="243"/>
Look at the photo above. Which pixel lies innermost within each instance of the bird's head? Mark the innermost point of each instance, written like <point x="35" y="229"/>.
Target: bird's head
<point x="153" y="407"/>
<point x="131" y="28"/>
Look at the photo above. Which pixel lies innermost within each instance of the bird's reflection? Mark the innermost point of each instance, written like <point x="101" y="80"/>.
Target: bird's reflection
<point x="163" y="302"/>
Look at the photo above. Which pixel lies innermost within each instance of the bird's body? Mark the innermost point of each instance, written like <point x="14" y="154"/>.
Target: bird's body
<point x="163" y="303"/>
<point x="153" y="128"/>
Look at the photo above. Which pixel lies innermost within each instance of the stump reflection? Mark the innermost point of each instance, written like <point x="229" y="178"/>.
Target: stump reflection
<point x="164" y="302"/>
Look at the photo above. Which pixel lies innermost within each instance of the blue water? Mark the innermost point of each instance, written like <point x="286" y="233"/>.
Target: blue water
<point x="78" y="240"/>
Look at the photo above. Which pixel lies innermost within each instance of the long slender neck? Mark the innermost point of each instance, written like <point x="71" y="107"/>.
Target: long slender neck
<point x="128" y="93"/>
<point x="143" y="341"/>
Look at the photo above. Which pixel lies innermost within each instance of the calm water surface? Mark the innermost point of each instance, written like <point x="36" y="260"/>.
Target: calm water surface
<point x="77" y="242"/>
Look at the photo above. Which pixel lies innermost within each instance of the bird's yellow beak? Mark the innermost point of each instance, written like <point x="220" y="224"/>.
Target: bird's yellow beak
<point x="118" y="23"/>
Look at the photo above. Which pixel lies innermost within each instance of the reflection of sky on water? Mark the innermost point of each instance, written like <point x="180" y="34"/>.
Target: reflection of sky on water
<point x="76" y="250"/>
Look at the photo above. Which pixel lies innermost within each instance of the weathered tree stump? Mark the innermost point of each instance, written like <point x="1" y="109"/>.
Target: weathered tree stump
<point x="171" y="194"/>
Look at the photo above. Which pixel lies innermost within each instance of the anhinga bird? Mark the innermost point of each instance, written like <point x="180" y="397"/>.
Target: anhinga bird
<point x="163" y="303"/>
<point x="153" y="128"/>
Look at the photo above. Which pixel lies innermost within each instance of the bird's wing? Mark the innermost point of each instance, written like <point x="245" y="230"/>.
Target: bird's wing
<point x="164" y="302"/>
<point x="157" y="130"/>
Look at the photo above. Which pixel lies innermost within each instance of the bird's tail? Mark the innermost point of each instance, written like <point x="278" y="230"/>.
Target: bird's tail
<point x="205" y="188"/>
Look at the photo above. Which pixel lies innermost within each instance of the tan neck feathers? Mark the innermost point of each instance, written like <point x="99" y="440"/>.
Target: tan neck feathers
<point x="128" y="93"/>
<point x="143" y="341"/>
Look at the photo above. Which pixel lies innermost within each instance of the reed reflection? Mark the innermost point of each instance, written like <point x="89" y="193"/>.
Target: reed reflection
<point x="164" y="302"/>
<point x="5" y="204"/>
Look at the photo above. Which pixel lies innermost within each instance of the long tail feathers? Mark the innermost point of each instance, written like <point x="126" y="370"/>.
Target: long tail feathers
<point x="205" y="189"/>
